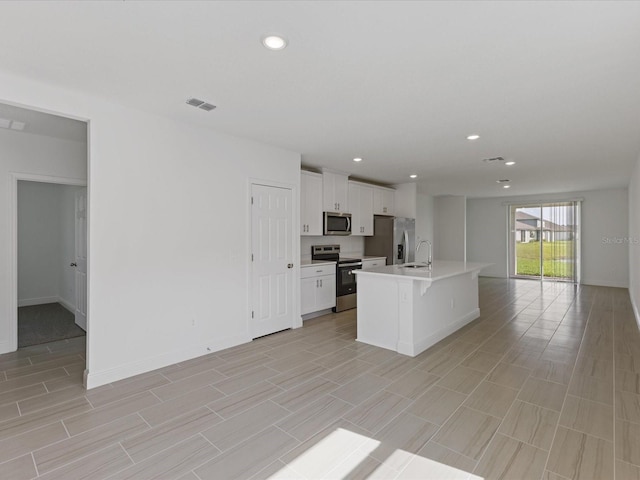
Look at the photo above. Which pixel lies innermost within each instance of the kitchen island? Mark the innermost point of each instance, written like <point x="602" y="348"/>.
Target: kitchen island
<point x="410" y="309"/>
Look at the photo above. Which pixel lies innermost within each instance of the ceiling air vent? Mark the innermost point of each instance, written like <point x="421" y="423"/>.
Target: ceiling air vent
<point x="493" y="159"/>
<point x="201" y="104"/>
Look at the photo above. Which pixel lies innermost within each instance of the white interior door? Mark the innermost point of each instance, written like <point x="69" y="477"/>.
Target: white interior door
<point x="81" y="258"/>
<point x="272" y="265"/>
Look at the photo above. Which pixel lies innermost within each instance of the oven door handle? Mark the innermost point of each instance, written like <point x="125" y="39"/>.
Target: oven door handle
<point x="358" y="264"/>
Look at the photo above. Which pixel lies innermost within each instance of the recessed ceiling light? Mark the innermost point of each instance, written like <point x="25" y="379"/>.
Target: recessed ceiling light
<point x="357" y="159"/>
<point x="473" y="137"/>
<point x="15" y="125"/>
<point x="5" y="123"/>
<point x="413" y="175"/>
<point x="506" y="186"/>
<point x="509" y="163"/>
<point x="274" y="42"/>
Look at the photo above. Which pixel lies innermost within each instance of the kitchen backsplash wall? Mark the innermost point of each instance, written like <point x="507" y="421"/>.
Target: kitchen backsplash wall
<point x="349" y="245"/>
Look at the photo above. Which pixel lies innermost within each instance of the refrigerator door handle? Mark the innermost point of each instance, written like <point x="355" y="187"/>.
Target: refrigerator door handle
<point x="406" y="246"/>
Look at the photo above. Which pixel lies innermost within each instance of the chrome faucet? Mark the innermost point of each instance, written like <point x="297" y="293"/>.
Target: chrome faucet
<point x="430" y="257"/>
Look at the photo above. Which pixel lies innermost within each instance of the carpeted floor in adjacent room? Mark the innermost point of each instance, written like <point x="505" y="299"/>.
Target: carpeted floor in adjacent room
<point x="46" y="323"/>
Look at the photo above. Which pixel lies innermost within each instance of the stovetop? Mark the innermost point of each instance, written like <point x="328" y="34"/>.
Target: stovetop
<point x="349" y="260"/>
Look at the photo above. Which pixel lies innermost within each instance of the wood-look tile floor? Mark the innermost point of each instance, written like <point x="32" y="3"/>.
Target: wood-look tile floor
<point x="544" y="385"/>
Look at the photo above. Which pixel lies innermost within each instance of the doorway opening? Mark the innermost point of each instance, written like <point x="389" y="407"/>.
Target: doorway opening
<point x="51" y="242"/>
<point x="544" y="241"/>
<point x="46" y="158"/>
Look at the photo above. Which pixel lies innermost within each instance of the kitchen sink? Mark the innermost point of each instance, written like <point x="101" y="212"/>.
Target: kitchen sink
<point x="414" y="266"/>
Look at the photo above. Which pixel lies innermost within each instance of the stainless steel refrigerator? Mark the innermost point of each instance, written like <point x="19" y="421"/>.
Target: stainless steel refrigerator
<point x="394" y="238"/>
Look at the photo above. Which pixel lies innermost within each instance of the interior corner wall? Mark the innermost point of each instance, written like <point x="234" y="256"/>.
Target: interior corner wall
<point x="449" y="227"/>
<point x="39" y="248"/>
<point x="604" y="228"/>
<point x="634" y="240"/>
<point x="424" y="217"/>
<point x="405" y="200"/>
<point x="169" y="222"/>
<point x="24" y="153"/>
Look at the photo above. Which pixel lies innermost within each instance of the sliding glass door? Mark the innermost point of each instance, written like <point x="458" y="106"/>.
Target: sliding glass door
<point x="545" y="241"/>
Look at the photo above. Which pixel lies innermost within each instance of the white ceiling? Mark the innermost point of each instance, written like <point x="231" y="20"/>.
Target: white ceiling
<point x="551" y="85"/>
<point x="39" y="123"/>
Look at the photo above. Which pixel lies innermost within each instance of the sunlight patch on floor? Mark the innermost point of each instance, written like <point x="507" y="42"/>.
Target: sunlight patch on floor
<point x="342" y="453"/>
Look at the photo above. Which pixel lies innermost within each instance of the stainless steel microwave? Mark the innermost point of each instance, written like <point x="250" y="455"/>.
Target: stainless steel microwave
<point x="337" y="223"/>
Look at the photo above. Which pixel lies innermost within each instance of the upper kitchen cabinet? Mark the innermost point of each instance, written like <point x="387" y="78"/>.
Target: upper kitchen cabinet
<point x="383" y="201"/>
<point x="310" y="203"/>
<point x="361" y="206"/>
<point x="335" y="192"/>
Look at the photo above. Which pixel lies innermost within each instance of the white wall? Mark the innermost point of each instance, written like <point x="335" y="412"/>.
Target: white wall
<point x="169" y="222"/>
<point x="46" y="244"/>
<point x="604" y="216"/>
<point x="634" y="240"/>
<point x="449" y="227"/>
<point x="38" y="243"/>
<point x="27" y="154"/>
<point x="405" y="200"/>
<point x="424" y="217"/>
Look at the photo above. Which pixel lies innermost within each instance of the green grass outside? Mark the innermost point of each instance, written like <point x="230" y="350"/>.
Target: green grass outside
<point x="557" y="259"/>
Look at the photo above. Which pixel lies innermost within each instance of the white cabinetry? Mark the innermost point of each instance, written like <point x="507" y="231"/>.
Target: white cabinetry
<point x="383" y="201"/>
<point x="310" y="203"/>
<point x="335" y="188"/>
<point x="373" y="263"/>
<point x="361" y="206"/>
<point x="317" y="288"/>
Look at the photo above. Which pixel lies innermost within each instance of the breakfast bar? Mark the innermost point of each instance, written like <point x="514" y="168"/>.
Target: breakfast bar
<point x="408" y="308"/>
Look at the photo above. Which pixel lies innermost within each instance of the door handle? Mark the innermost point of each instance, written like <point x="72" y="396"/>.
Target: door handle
<point x="74" y="264"/>
<point x="290" y="265"/>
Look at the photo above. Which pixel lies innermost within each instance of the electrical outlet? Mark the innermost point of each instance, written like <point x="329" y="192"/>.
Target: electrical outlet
<point x="453" y="304"/>
<point x="193" y="322"/>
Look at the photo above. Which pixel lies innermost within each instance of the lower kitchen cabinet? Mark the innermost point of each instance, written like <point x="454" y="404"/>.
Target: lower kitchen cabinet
<point x="317" y="288"/>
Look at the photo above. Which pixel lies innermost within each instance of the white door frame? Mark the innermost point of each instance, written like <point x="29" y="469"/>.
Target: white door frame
<point x="14" y="177"/>
<point x="295" y="241"/>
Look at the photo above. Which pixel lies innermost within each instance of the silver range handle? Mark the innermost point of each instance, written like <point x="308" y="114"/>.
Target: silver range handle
<point x="356" y="264"/>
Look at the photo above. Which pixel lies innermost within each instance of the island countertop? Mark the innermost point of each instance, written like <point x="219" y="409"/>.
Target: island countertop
<point x="440" y="269"/>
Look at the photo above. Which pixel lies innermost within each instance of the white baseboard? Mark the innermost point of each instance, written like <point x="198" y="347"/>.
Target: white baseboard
<point x="319" y="313"/>
<point x="28" y="302"/>
<point x="635" y="310"/>
<point x="362" y="339"/>
<point x="6" y="347"/>
<point x="604" y="283"/>
<point x="421" y="345"/>
<point x="96" y="379"/>
<point x="68" y="305"/>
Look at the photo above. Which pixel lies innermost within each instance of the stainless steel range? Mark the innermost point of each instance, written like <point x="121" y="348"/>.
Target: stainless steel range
<point x="346" y="287"/>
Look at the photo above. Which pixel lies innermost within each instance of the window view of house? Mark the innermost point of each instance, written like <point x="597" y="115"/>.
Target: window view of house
<point x="544" y="241"/>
